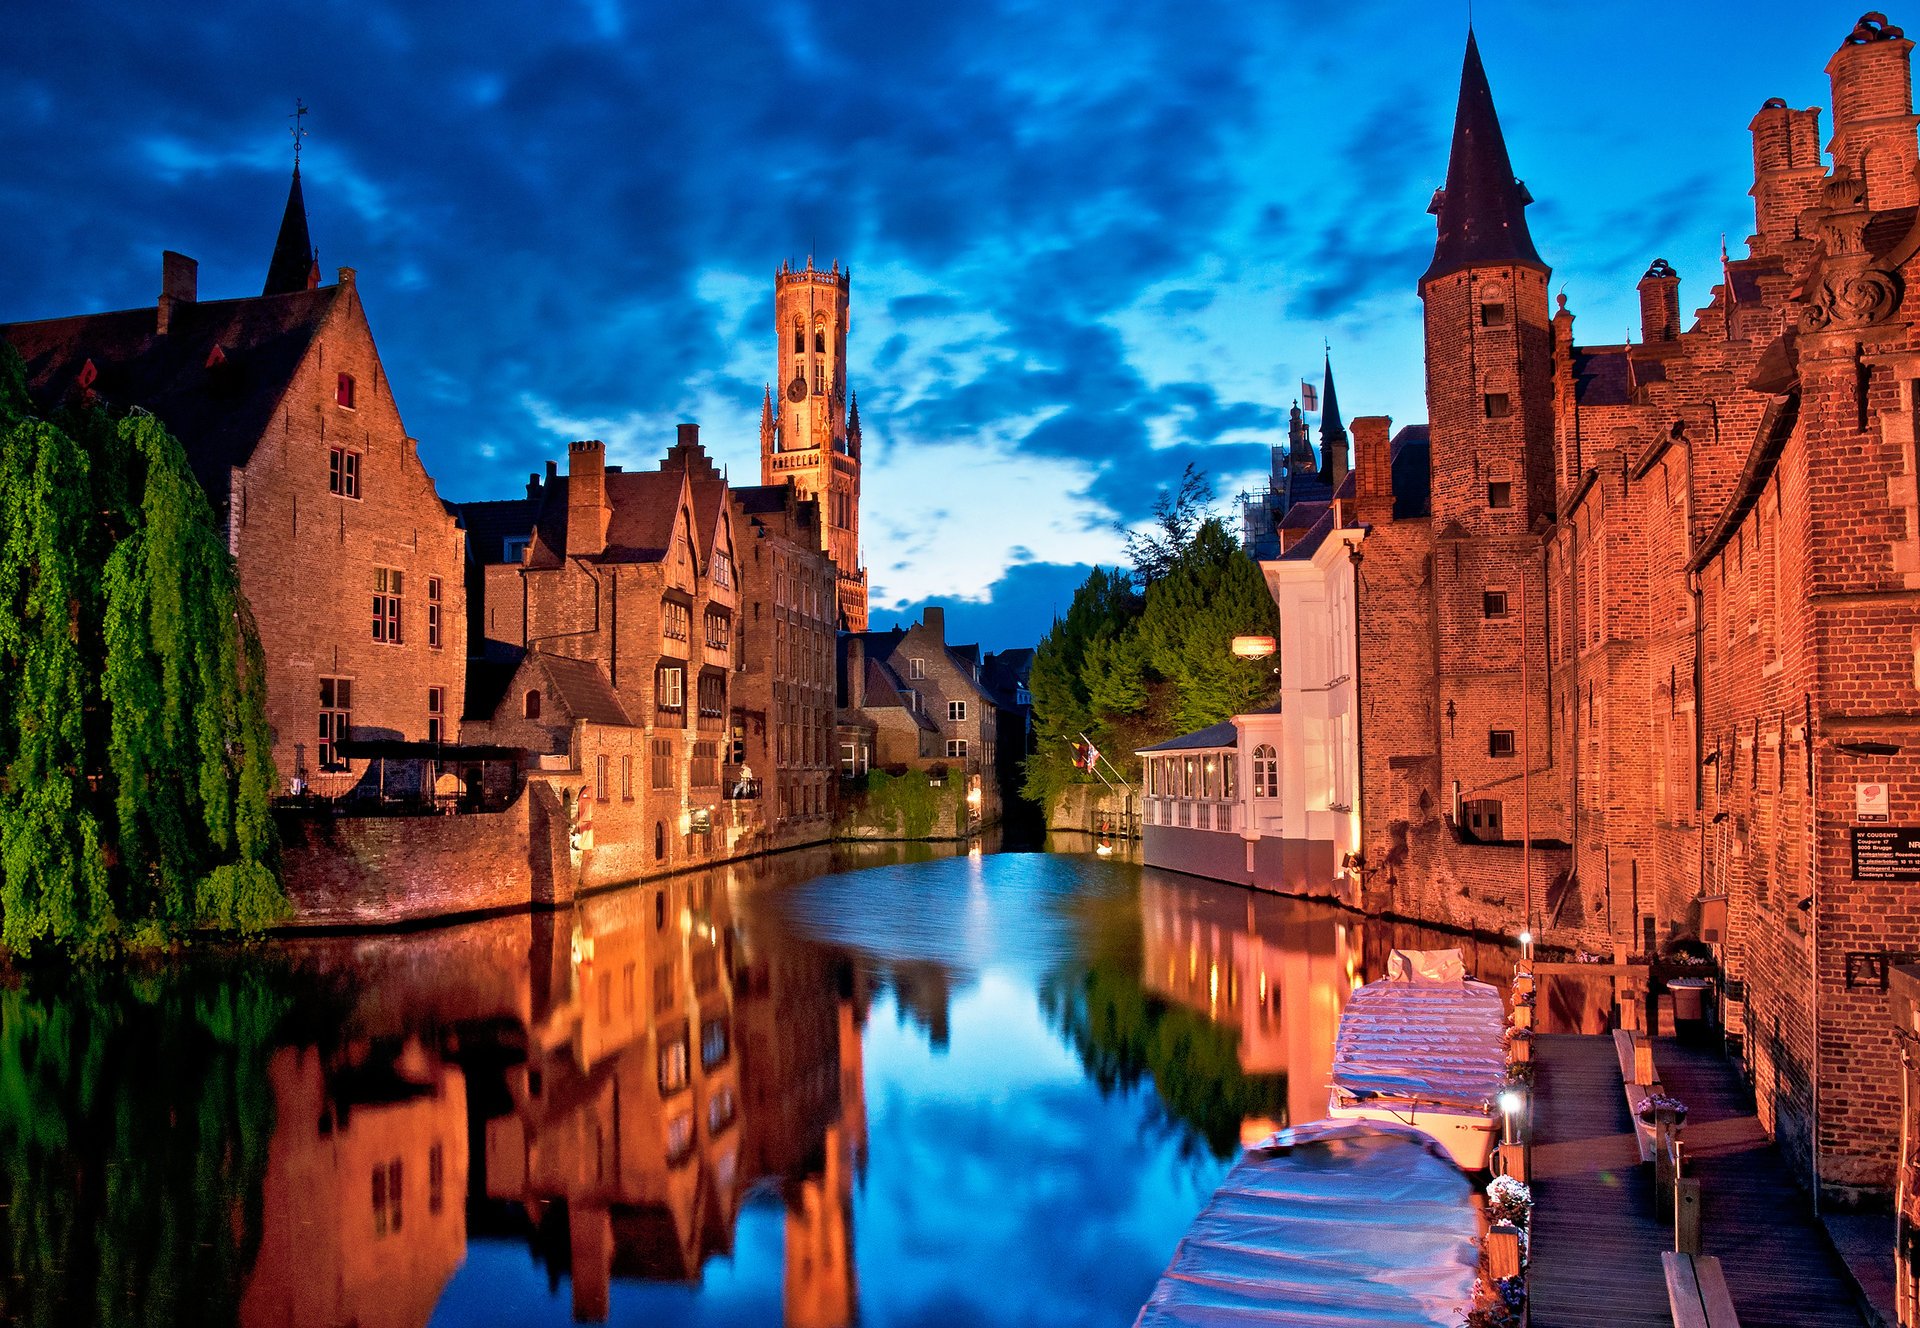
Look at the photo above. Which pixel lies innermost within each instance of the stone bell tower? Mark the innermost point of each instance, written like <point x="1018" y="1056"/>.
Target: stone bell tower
<point x="809" y="423"/>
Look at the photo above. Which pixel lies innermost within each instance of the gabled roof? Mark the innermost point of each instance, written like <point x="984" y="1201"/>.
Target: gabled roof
<point x="218" y="406"/>
<point x="1610" y="375"/>
<point x="1482" y="210"/>
<point x="644" y="506"/>
<point x="1212" y="738"/>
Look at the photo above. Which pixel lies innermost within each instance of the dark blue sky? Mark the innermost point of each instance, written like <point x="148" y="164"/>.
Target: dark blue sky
<point x="1089" y="242"/>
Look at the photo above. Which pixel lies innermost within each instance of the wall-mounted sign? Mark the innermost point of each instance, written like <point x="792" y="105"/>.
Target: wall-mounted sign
<point x="1886" y="853"/>
<point x="1870" y="802"/>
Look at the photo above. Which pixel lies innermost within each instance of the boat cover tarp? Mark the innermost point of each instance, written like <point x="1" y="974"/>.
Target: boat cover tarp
<point x="1351" y="1223"/>
<point x="1435" y="1039"/>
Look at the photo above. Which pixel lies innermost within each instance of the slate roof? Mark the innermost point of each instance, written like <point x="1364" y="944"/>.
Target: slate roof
<point x="581" y="688"/>
<point x="1610" y="375"/>
<point x="489" y="525"/>
<point x="1411" y="458"/>
<point x="219" y="407"/>
<point x="292" y="267"/>
<point x="1213" y="737"/>
<point x="758" y="499"/>
<point x="1482" y="210"/>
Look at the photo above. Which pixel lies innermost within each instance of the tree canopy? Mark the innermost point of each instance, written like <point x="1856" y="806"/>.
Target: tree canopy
<point x="1143" y="656"/>
<point x="136" y="753"/>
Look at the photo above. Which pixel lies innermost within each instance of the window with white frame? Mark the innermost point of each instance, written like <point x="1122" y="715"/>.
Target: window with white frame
<point x="957" y="748"/>
<point x="1266" y="772"/>
<point x="956" y="710"/>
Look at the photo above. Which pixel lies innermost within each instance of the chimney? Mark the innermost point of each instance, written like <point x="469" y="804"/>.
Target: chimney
<point x="689" y="435"/>
<point x="1660" y="303"/>
<point x="179" y="284"/>
<point x="856" y="672"/>
<point x="1787" y="169"/>
<point x="1873" y="119"/>
<point x="1333" y="458"/>
<point x="586" y="499"/>
<point x="1373" y="469"/>
<point x="935" y="621"/>
<point x="533" y="485"/>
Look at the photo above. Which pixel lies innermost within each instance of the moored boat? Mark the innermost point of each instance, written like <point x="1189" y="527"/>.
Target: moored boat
<point x="1423" y="1047"/>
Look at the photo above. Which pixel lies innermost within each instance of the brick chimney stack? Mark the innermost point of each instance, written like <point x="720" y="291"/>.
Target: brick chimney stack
<point x="1372" y="469"/>
<point x="586" y="498"/>
<point x="1660" y="303"/>
<point x="1873" y="119"/>
<point x="179" y="284"/>
<point x="1787" y="169"/>
<point x="688" y="435"/>
<point x="935" y="620"/>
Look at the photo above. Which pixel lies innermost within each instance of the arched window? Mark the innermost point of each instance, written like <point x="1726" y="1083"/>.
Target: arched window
<point x="820" y="339"/>
<point x="659" y="853"/>
<point x="799" y="338"/>
<point x="1266" y="772"/>
<point x="533" y="703"/>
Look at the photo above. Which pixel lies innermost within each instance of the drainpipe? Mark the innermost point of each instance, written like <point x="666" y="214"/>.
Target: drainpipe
<point x="1813" y="873"/>
<point x="1359" y="727"/>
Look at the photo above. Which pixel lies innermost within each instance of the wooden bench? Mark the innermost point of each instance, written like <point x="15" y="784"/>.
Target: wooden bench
<point x="1697" y="1292"/>
<point x="1636" y="1060"/>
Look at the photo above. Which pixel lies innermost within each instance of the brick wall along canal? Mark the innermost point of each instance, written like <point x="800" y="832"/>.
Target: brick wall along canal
<point x="969" y="1090"/>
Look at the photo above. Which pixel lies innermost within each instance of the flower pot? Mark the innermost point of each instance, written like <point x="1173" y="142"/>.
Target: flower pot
<point x="1667" y="1115"/>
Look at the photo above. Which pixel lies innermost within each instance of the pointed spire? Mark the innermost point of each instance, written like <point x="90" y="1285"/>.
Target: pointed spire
<point x="1482" y="210"/>
<point x="294" y="267"/>
<point x="853" y="427"/>
<point x="767" y="444"/>
<point x="1331" y="425"/>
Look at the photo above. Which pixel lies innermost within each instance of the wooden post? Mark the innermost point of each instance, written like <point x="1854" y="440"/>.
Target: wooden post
<point x="1523" y="1016"/>
<point x="1663" y="1166"/>
<point x="1643" y="1061"/>
<point x="1513" y="1161"/>
<point x="1520" y="1049"/>
<point x="1503" y="1251"/>
<point x="1686" y="1216"/>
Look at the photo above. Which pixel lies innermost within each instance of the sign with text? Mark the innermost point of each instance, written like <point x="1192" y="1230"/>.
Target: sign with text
<point x="1886" y="853"/>
<point x="1870" y="802"/>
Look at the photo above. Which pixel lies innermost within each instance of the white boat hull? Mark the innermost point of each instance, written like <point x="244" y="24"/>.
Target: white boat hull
<point x="1468" y="1136"/>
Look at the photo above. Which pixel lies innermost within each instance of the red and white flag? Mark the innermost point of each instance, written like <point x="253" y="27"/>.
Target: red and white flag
<point x="1309" y="396"/>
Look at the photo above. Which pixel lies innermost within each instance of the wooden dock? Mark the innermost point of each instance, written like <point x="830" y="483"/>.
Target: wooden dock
<point x="1597" y="1238"/>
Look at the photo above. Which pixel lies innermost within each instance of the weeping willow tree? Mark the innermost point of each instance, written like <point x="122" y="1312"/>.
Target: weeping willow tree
<point x="133" y="735"/>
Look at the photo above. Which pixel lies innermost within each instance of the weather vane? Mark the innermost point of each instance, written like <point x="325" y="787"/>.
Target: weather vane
<point x="298" y="128"/>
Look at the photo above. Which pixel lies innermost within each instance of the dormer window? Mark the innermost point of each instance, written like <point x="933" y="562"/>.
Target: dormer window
<point x="513" y="549"/>
<point x="343" y="392"/>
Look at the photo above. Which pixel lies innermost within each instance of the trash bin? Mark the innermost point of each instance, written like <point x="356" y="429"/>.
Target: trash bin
<point x="1689" y="999"/>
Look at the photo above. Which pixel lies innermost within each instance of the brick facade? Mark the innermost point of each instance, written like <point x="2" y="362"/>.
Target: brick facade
<point x="1682" y="574"/>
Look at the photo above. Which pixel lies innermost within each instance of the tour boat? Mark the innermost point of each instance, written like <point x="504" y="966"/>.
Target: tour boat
<point x="1423" y="1047"/>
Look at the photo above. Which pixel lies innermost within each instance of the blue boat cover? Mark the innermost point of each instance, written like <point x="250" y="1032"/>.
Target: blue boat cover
<point x="1354" y="1224"/>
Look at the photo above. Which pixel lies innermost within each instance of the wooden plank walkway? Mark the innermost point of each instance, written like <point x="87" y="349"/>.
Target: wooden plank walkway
<point x="1596" y="1239"/>
<point x="1596" y="1245"/>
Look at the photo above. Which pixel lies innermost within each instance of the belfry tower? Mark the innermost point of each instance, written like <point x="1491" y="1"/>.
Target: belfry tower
<point x="809" y="423"/>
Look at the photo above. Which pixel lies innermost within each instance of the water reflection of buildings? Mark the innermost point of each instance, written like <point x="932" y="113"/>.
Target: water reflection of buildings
<point x="1277" y="972"/>
<point x="656" y="1068"/>
<point x="362" y="1206"/>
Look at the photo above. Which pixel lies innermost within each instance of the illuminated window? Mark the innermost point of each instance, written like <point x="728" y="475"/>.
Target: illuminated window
<point x="1266" y="772"/>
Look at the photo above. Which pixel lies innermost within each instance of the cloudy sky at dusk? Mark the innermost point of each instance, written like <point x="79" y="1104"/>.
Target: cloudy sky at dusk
<point x="1089" y="243"/>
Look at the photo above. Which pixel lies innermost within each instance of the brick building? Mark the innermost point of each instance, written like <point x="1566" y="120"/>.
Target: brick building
<point x="1644" y="671"/>
<point x="784" y="678"/>
<point x="920" y="703"/>
<point x="607" y="650"/>
<point x="810" y="437"/>
<point x="348" y="558"/>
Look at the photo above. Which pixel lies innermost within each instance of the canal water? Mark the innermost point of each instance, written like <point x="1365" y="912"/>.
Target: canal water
<point x="898" y="1085"/>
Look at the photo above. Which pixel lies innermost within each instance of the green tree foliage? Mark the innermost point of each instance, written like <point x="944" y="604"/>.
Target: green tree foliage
<point x="1211" y="593"/>
<point x="1128" y="669"/>
<point x="135" y="1118"/>
<point x="133" y="734"/>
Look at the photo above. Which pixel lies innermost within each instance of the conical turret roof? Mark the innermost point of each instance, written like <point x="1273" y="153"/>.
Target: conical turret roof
<point x="1482" y="210"/>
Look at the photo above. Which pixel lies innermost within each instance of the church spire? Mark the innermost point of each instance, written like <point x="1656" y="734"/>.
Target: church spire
<point x="1482" y="210"/>
<point x="1333" y="433"/>
<point x="767" y="441"/>
<point x="853" y="427"/>
<point x="294" y="266"/>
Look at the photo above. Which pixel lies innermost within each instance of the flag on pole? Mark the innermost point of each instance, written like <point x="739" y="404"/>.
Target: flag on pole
<point x="1309" y="396"/>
